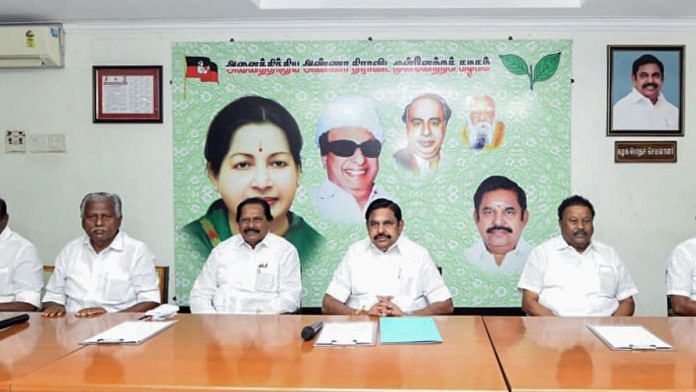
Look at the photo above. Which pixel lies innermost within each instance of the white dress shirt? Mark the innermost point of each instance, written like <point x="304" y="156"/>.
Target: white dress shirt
<point x="336" y="204"/>
<point x="405" y="272"/>
<point x="577" y="284"/>
<point x="115" y="279"/>
<point x="21" y="271"/>
<point x="681" y="270"/>
<point x="237" y="278"/>
<point x="512" y="264"/>
<point x="636" y="112"/>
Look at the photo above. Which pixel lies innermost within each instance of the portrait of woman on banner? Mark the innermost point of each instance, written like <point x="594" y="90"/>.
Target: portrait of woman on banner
<point x="252" y="149"/>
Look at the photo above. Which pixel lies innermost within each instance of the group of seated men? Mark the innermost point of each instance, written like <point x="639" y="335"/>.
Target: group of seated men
<point x="255" y="271"/>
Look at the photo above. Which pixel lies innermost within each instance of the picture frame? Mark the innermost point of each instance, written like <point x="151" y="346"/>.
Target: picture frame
<point x="629" y="96"/>
<point x="127" y="93"/>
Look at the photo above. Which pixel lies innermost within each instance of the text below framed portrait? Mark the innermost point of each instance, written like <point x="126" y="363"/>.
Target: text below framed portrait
<point x="127" y="93"/>
<point x="645" y="90"/>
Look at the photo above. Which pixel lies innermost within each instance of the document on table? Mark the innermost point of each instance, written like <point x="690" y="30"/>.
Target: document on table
<point x="347" y="334"/>
<point x="395" y="330"/>
<point x="130" y="332"/>
<point x="628" y="337"/>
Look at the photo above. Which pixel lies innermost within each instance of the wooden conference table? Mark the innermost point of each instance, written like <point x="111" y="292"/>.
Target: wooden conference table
<point x="27" y="347"/>
<point x="549" y="353"/>
<point x="264" y="353"/>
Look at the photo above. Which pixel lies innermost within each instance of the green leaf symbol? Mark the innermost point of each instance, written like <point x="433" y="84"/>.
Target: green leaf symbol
<point x="546" y="67"/>
<point x="516" y="64"/>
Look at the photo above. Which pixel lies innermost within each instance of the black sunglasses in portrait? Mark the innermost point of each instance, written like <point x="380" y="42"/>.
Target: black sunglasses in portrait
<point x="346" y="148"/>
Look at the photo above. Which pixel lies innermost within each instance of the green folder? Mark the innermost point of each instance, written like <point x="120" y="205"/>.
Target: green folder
<point x="396" y="330"/>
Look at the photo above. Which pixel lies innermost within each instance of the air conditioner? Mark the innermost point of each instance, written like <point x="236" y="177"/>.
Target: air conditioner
<point x="23" y="46"/>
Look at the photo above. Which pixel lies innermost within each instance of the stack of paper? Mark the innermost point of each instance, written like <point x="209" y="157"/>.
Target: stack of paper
<point x="395" y="330"/>
<point x="628" y="337"/>
<point x="347" y="334"/>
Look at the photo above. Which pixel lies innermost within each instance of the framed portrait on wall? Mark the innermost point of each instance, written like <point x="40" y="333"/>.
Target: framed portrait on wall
<point x="645" y="90"/>
<point x="127" y="93"/>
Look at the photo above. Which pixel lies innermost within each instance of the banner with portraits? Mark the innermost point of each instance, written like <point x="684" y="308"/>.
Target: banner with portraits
<point x="470" y="138"/>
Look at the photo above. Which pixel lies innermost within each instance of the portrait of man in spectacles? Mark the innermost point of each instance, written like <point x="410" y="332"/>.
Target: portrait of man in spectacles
<point x="350" y="137"/>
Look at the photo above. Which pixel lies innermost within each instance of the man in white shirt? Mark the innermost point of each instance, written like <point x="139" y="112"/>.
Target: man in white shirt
<point x="104" y="270"/>
<point x="350" y="137"/>
<point x="386" y="274"/>
<point x="21" y="272"/>
<point x="570" y="275"/>
<point x="426" y="118"/>
<point x="254" y="271"/>
<point x="645" y="108"/>
<point x="681" y="278"/>
<point x="500" y="214"/>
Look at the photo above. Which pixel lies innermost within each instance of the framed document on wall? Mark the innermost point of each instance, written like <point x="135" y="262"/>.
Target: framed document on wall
<point x="645" y="90"/>
<point x="127" y="94"/>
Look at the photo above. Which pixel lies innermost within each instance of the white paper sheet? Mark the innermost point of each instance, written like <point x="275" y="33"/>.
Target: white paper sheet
<point x="347" y="334"/>
<point x="129" y="332"/>
<point x="628" y="337"/>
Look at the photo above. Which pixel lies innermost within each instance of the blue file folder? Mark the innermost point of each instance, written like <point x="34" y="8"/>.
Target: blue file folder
<point x="395" y="330"/>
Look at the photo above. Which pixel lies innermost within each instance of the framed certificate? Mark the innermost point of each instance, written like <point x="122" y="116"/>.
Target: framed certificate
<point x="127" y="93"/>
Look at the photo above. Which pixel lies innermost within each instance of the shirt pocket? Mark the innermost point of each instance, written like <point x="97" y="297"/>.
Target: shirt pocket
<point x="5" y="281"/>
<point x="118" y="289"/>
<point x="607" y="281"/>
<point x="266" y="281"/>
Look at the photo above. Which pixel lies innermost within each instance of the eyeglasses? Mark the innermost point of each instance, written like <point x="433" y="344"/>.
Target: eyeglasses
<point x="346" y="148"/>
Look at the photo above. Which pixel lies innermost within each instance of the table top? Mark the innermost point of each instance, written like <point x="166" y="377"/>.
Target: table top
<point x="29" y="346"/>
<point x="234" y="352"/>
<point x="553" y="353"/>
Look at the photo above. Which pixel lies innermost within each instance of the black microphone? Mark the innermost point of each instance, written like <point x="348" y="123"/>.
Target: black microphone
<point x="309" y="331"/>
<point x="13" y="321"/>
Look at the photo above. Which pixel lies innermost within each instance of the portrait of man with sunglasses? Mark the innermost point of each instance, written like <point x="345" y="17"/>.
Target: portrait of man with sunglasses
<point x="350" y="137"/>
<point x="426" y="118"/>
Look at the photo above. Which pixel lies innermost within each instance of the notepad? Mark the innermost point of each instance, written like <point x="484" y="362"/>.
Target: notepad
<point x="395" y="330"/>
<point x="130" y="332"/>
<point x="628" y="337"/>
<point x="347" y="334"/>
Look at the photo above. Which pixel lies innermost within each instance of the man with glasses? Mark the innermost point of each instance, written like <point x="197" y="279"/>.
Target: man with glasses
<point x="349" y="135"/>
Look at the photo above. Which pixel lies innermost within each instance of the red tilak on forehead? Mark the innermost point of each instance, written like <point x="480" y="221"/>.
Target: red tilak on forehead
<point x="260" y="147"/>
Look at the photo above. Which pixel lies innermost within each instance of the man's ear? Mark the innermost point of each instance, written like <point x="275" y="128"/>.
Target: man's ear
<point x="525" y="217"/>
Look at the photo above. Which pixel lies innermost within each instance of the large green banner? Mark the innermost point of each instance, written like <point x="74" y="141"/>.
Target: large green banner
<point x="321" y="128"/>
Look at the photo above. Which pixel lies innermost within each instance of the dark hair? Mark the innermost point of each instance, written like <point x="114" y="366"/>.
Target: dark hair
<point x="575" y="200"/>
<point x="243" y="111"/>
<point x="255" y="200"/>
<point x="434" y="97"/>
<point x="648" y="59"/>
<point x="493" y="183"/>
<point x="3" y="208"/>
<point x="383" y="203"/>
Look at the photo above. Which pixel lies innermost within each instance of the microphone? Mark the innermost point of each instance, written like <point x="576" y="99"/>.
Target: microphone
<point x="309" y="331"/>
<point x="6" y="323"/>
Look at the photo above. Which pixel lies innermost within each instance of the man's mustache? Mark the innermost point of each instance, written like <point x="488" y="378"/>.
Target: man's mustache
<point x="653" y="85"/>
<point x="252" y="230"/>
<point x="382" y="235"/>
<point x="580" y="232"/>
<point x="493" y="228"/>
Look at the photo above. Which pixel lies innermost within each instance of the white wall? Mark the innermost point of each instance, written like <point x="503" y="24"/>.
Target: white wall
<point x="643" y="209"/>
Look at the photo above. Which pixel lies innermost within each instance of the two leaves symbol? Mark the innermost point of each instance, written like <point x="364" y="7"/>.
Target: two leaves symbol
<point x="544" y="69"/>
